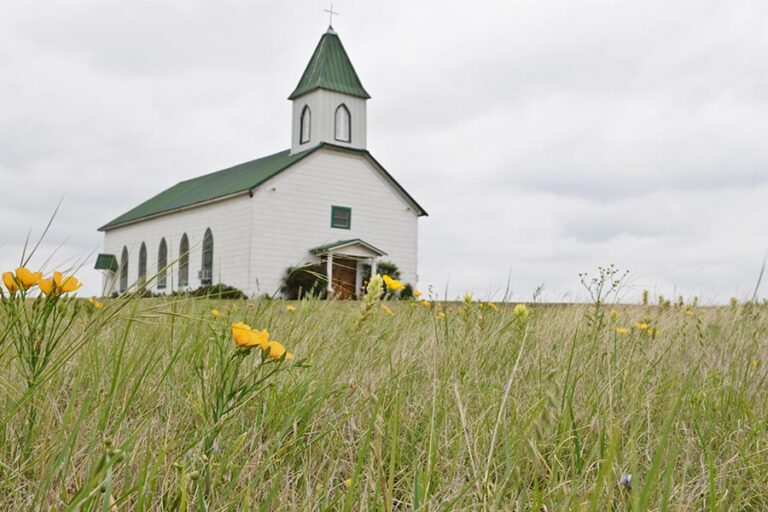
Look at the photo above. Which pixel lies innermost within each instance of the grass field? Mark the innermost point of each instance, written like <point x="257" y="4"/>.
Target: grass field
<point x="460" y="406"/>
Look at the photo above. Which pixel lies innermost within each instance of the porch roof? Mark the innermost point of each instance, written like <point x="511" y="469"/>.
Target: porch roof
<point x="340" y="245"/>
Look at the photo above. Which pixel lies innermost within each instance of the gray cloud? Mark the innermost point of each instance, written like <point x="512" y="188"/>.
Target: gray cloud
<point x="545" y="138"/>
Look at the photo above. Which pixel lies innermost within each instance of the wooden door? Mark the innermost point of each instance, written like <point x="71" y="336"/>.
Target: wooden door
<point x="345" y="278"/>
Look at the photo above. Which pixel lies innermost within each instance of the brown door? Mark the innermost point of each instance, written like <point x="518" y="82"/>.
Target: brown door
<point x="344" y="278"/>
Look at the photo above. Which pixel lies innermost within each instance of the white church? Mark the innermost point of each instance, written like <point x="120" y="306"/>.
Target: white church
<point x="325" y="200"/>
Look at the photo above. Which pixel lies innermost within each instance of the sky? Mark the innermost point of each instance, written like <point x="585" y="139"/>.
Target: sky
<point x="544" y="137"/>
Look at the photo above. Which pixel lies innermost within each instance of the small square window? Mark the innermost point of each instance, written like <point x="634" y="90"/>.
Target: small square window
<point x="341" y="217"/>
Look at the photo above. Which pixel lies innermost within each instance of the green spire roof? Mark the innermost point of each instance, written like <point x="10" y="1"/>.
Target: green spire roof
<point x="330" y="68"/>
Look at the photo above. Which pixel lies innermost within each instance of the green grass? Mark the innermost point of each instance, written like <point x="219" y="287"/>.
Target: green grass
<point x="474" y="411"/>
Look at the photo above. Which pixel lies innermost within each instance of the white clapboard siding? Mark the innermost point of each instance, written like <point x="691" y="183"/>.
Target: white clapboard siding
<point x="323" y="105"/>
<point x="229" y="222"/>
<point x="292" y="214"/>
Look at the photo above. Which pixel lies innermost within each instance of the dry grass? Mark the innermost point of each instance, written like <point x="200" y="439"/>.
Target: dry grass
<point x="475" y="411"/>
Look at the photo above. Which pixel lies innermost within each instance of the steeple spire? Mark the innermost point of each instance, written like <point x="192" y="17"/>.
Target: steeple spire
<point x="330" y="68"/>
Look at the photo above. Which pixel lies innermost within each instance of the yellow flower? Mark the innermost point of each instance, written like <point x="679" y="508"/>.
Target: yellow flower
<point x="245" y="337"/>
<point x="290" y="308"/>
<point x="755" y="363"/>
<point x="426" y="303"/>
<point x="215" y="313"/>
<point x="65" y="284"/>
<point x="276" y="351"/>
<point x="98" y="305"/>
<point x="46" y="286"/>
<point x="614" y="314"/>
<point x="642" y="326"/>
<point x="387" y="310"/>
<point x="348" y="482"/>
<point x="622" y="330"/>
<point x="10" y="282"/>
<point x="521" y="311"/>
<point x="416" y="293"/>
<point x="440" y="315"/>
<point x="393" y="284"/>
<point x="26" y="278"/>
<point x="688" y="312"/>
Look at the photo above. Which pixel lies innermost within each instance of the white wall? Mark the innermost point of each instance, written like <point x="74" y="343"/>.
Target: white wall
<point x="292" y="214"/>
<point x="228" y="221"/>
<point x="322" y="105"/>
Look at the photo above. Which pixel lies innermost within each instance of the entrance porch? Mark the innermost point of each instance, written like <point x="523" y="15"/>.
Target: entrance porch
<point x="345" y="262"/>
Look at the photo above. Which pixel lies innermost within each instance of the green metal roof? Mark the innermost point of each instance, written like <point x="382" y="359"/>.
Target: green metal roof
<point x="330" y="68"/>
<point x="233" y="180"/>
<point x="106" y="262"/>
<point x="239" y="178"/>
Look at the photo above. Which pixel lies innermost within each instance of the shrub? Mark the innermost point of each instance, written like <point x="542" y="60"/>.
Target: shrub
<point x="216" y="291"/>
<point x="308" y="280"/>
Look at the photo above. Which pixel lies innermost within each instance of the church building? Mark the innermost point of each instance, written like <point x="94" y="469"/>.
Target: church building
<point x="325" y="200"/>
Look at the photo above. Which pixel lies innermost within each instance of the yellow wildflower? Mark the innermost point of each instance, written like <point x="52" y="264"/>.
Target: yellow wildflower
<point x="59" y="284"/>
<point x="622" y="330"/>
<point x="755" y="363"/>
<point x="393" y="284"/>
<point x="46" y="286"/>
<point x="387" y="310"/>
<point x="614" y="315"/>
<point x="688" y="312"/>
<point x="416" y="293"/>
<point x="10" y="282"/>
<point x="493" y="306"/>
<point x="246" y="337"/>
<point x="643" y="326"/>
<point x="96" y="304"/>
<point x="521" y="312"/>
<point x="215" y="313"/>
<point x="290" y="308"/>
<point x="348" y="483"/>
<point x="426" y="303"/>
<point x="26" y="278"/>
<point x="276" y="350"/>
<point x="440" y="315"/>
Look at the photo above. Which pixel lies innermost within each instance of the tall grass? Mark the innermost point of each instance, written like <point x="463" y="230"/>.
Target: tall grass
<point x="437" y="407"/>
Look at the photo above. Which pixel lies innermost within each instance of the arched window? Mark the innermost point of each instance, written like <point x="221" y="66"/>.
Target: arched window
<point x="124" y="270"/>
<point x="162" y="262"/>
<point x="142" y="263"/>
<point x="305" y="124"/>
<point x="343" y="123"/>
<point x="206" y="276"/>
<point x="184" y="261"/>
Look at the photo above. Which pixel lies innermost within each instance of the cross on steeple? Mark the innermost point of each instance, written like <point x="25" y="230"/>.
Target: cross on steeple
<point x="331" y="13"/>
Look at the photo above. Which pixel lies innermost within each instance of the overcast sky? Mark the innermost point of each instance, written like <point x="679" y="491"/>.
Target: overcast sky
<point x="544" y="137"/>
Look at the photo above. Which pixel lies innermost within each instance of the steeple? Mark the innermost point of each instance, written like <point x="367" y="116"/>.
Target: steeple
<point x="329" y="102"/>
<point x="330" y="69"/>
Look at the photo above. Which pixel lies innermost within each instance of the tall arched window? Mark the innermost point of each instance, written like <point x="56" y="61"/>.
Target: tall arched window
<point x="206" y="276"/>
<point x="343" y="123"/>
<point x="162" y="262"/>
<point x="304" y="125"/>
<point x="184" y="261"/>
<point x="124" y="270"/>
<point x="142" y="263"/>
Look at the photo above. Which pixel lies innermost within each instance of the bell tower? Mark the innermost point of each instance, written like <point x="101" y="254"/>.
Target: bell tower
<point x="329" y="103"/>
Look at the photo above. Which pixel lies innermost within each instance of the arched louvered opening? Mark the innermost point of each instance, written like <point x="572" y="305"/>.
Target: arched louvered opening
<point x="184" y="261"/>
<point x="343" y="124"/>
<point x="124" y="270"/>
<point x="206" y="276"/>
<point x="162" y="262"/>
<point x="142" y="263"/>
<point x="305" y="125"/>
